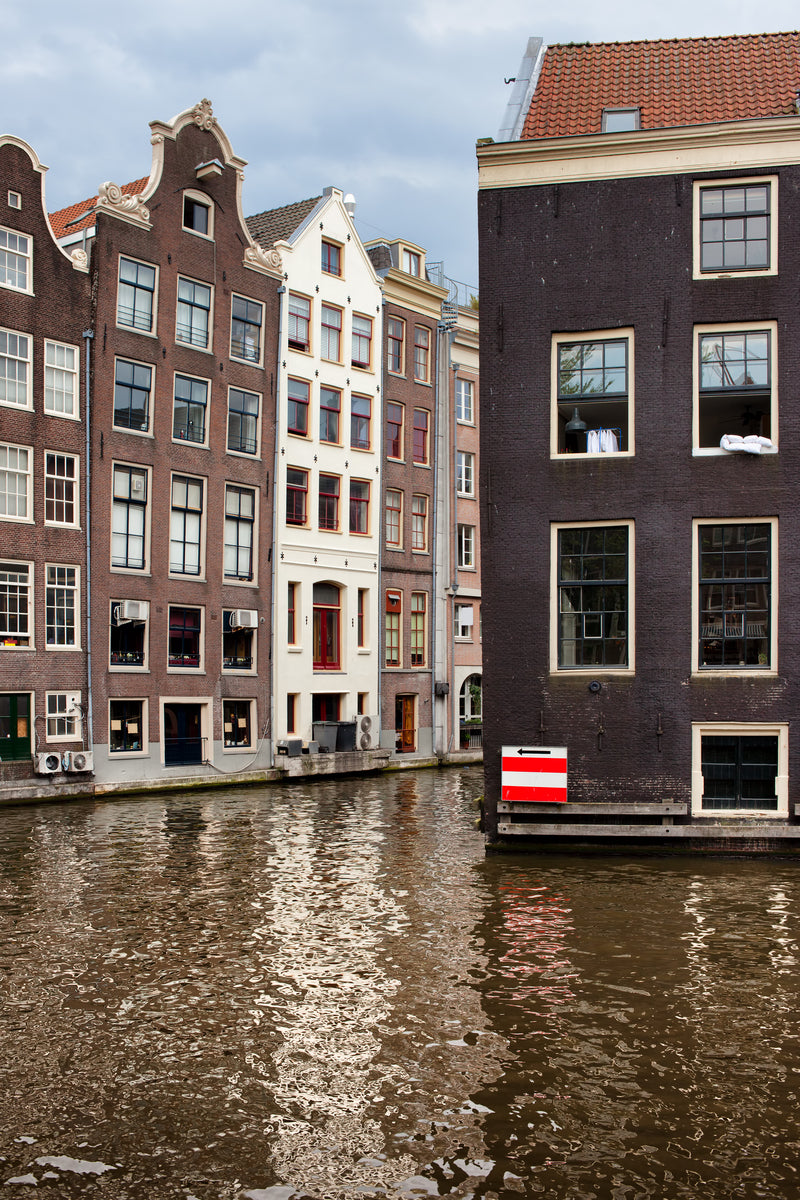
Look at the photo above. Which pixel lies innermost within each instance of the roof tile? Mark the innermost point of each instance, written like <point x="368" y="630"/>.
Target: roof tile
<point x="76" y="217"/>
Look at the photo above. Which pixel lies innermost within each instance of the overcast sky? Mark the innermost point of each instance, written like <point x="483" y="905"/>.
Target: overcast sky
<point x="379" y="98"/>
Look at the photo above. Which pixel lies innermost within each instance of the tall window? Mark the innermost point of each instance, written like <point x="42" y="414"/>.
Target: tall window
<point x="297" y="406"/>
<point x="464" y="398"/>
<point x="60" y="380"/>
<point x="236" y="727"/>
<point x="420" y="445"/>
<point x="61" y="606"/>
<point x="359" y="506"/>
<point x="327" y="619"/>
<point x="136" y="295"/>
<point x="593" y="391"/>
<point x="128" y="518"/>
<point x="465" y="473"/>
<point x="362" y="341"/>
<point x="735" y="227"/>
<point x="291" y="712"/>
<point x="63" y="716"/>
<point x="412" y="263"/>
<point x="127" y="639"/>
<point x="330" y="403"/>
<point x="185" y="637"/>
<point x="240" y="516"/>
<point x="242" y="421"/>
<point x="466" y="546"/>
<point x="16" y="483"/>
<point x="291" y="613"/>
<point x="189" y="411"/>
<point x="133" y="383"/>
<point x="331" y="258"/>
<point x="237" y="645"/>
<point x="247" y="317"/>
<point x="197" y="215"/>
<point x="299" y="322"/>
<point x="361" y="619"/>
<point x="360" y="414"/>
<point x="735" y="393"/>
<point x="15" y="261"/>
<point x="296" y="496"/>
<point x="16" y="604"/>
<point x="418" y="628"/>
<point x="394" y="614"/>
<point x="186" y="525"/>
<point x="15" y="364"/>
<point x="422" y="342"/>
<point x="396" y="345"/>
<point x="394" y="430"/>
<point x="60" y="489"/>
<point x="593" y="596"/>
<point x="329" y="501"/>
<point x="126" y="731"/>
<point x="193" y="312"/>
<point x="394" y="517"/>
<point x="419" y="523"/>
<point x="464" y="621"/>
<point x="331" y="341"/>
<point x="735" y="580"/>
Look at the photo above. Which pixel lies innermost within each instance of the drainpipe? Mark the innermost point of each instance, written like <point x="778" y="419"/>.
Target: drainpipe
<point x="273" y="659"/>
<point x="377" y="638"/>
<point x="454" y="560"/>
<point x="88" y="335"/>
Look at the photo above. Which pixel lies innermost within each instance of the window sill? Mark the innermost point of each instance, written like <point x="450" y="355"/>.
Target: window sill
<point x="294" y="649"/>
<point x="68" y="649"/>
<point x="145" y="433"/>
<point x="248" y="362"/>
<point x="739" y="814"/>
<point x="735" y="672"/>
<point x="562" y="456"/>
<point x="121" y="669"/>
<point x="185" y="671"/>
<point x="116" y="754"/>
<point x="718" y="452"/>
<point x="151" y="333"/>
<point x="62" y="416"/>
<point x="591" y="672"/>
<point x="246" y="454"/>
<point x="192" y="346"/>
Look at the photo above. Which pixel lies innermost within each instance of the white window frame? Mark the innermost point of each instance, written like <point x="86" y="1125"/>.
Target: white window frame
<point x="466" y="546"/>
<point x="175" y="477"/>
<point x="206" y="411"/>
<point x="252" y="746"/>
<point x="58" y="368"/>
<point x="63" y="703"/>
<point x="738" y="729"/>
<point x="146" y="508"/>
<point x="698" y="331"/>
<point x="27" y="475"/>
<point x="143" y="733"/>
<point x="76" y="487"/>
<point x="255" y="453"/>
<point x="151" y="332"/>
<point x="465" y="400"/>
<point x="463" y="629"/>
<point x="130" y="667"/>
<point x="594" y="335"/>
<point x="6" y="635"/>
<point x="747" y="272"/>
<point x="14" y="200"/>
<point x="203" y="199"/>
<point x="235" y="580"/>
<point x="594" y="671"/>
<point x="18" y="252"/>
<point x="27" y="406"/>
<point x="151" y="367"/>
<point x="75" y="589"/>
<point x="396" y="492"/>
<point x="253" y="668"/>
<point x="208" y="346"/>
<point x="258" y="360"/>
<point x="465" y="473"/>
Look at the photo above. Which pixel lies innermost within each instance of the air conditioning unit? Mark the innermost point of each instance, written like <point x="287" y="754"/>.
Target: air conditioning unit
<point x="367" y="732"/>
<point x="441" y="688"/>
<point x="131" y="610"/>
<point x="48" y="764"/>
<point x="244" y="618"/>
<point x="79" y="760"/>
<point x="137" y="484"/>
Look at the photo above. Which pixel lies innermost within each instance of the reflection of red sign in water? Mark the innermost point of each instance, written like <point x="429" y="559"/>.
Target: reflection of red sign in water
<point x="534" y="773"/>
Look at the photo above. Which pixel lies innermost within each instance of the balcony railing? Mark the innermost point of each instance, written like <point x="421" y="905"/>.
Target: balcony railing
<point x="471" y="736"/>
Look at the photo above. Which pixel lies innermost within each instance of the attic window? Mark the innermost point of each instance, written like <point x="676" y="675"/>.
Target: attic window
<point x="197" y="214"/>
<point x="620" y="120"/>
<point x="14" y="200"/>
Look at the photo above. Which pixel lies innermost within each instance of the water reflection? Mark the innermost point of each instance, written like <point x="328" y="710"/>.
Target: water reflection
<point x="327" y="991"/>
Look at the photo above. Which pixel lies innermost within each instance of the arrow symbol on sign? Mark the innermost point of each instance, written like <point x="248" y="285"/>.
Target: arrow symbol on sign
<point x="533" y="750"/>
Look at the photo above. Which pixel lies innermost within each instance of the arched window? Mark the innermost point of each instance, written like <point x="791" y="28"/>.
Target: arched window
<point x="327" y="624"/>
<point x="470" y="698"/>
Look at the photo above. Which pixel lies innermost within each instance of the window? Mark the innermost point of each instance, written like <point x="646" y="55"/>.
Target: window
<point x="61" y="607"/>
<point x="297" y="407"/>
<point x="126" y="728"/>
<point x="296" y="496"/>
<point x="393" y="627"/>
<point x="619" y="120"/>
<point x="197" y="214"/>
<point x="189" y="409"/>
<point x="465" y="473"/>
<point x="466" y="546"/>
<point x="127" y="638"/>
<point x="412" y="263"/>
<point x="16" y="483"/>
<point x="242" y="421"/>
<point x="362" y="341"/>
<point x="60" y="380"/>
<point x="463" y="621"/>
<point x="186" y="520"/>
<point x="327" y="614"/>
<point x="394" y="518"/>
<point x="736" y="226"/>
<point x="418" y="628"/>
<point x="240" y="517"/>
<point x="237" y="646"/>
<point x="16" y="604"/>
<point x="359" y="506"/>
<point x="63" y="716"/>
<point x="592" y="618"/>
<point x="734" y="596"/>
<point x="236" y="724"/>
<point x="128" y="518"/>
<point x="15" y="363"/>
<point x="396" y="345"/>
<point x="329" y="501"/>
<point x="60" y="489"/>
<point x="361" y="619"/>
<point x="185" y="637"/>
<point x="740" y="769"/>
<point x="360" y="416"/>
<point x="133" y="385"/>
<point x="592" y="385"/>
<point x="193" y="311"/>
<point x="291" y="712"/>
<point x="331" y="258"/>
<point x="15" y="261"/>
<point x="330" y="403"/>
<point x="291" y="622"/>
<point x="14" y="200"/>
<point x="299" y="322"/>
<point x="420" y="442"/>
<point x="735" y="370"/>
<point x="330" y="347"/>
<point x="136" y="295"/>
<point x="464" y="400"/>
<point x="419" y="523"/>
<point x="422" y="341"/>
<point x="394" y="430"/>
<point x="247" y="317"/>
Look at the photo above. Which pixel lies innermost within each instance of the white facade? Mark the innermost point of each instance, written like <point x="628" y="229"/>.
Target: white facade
<point x="326" y="647"/>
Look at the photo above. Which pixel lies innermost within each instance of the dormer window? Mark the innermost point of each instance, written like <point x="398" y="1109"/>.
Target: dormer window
<point x="411" y="263"/>
<point x="197" y="214"/>
<point x="620" y="120"/>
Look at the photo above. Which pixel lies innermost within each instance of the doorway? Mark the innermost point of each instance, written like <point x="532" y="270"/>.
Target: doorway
<point x="15" y="726"/>
<point x="405" y="725"/>
<point x="183" y="743"/>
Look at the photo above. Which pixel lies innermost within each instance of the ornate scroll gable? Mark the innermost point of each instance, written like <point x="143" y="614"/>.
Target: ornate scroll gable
<point x="260" y="259"/>
<point x="203" y="116"/>
<point x="112" y="199"/>
<point x="80" y="260"/>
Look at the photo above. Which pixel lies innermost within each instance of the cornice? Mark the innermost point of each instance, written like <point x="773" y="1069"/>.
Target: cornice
<point x="413" y="292"/>
<point x="749" y="145"/>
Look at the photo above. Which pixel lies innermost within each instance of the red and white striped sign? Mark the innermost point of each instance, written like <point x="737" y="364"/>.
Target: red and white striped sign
<point x="537" y="773"/>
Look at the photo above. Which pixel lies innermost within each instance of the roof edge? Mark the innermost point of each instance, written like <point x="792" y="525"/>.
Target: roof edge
<point x="524" y="86"/>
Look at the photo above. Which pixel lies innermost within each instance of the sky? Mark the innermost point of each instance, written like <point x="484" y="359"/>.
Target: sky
<point x="382" y="99"/>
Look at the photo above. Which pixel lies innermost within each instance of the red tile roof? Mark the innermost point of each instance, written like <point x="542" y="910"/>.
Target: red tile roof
<point x="80" y="216"/>
<point x="683" y="81"/>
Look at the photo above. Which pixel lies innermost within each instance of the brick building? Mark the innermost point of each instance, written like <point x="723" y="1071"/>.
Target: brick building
<point x="640" y="437"/>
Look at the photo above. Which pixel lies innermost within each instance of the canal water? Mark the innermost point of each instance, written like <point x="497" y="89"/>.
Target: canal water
<point x="327" y="991"/>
